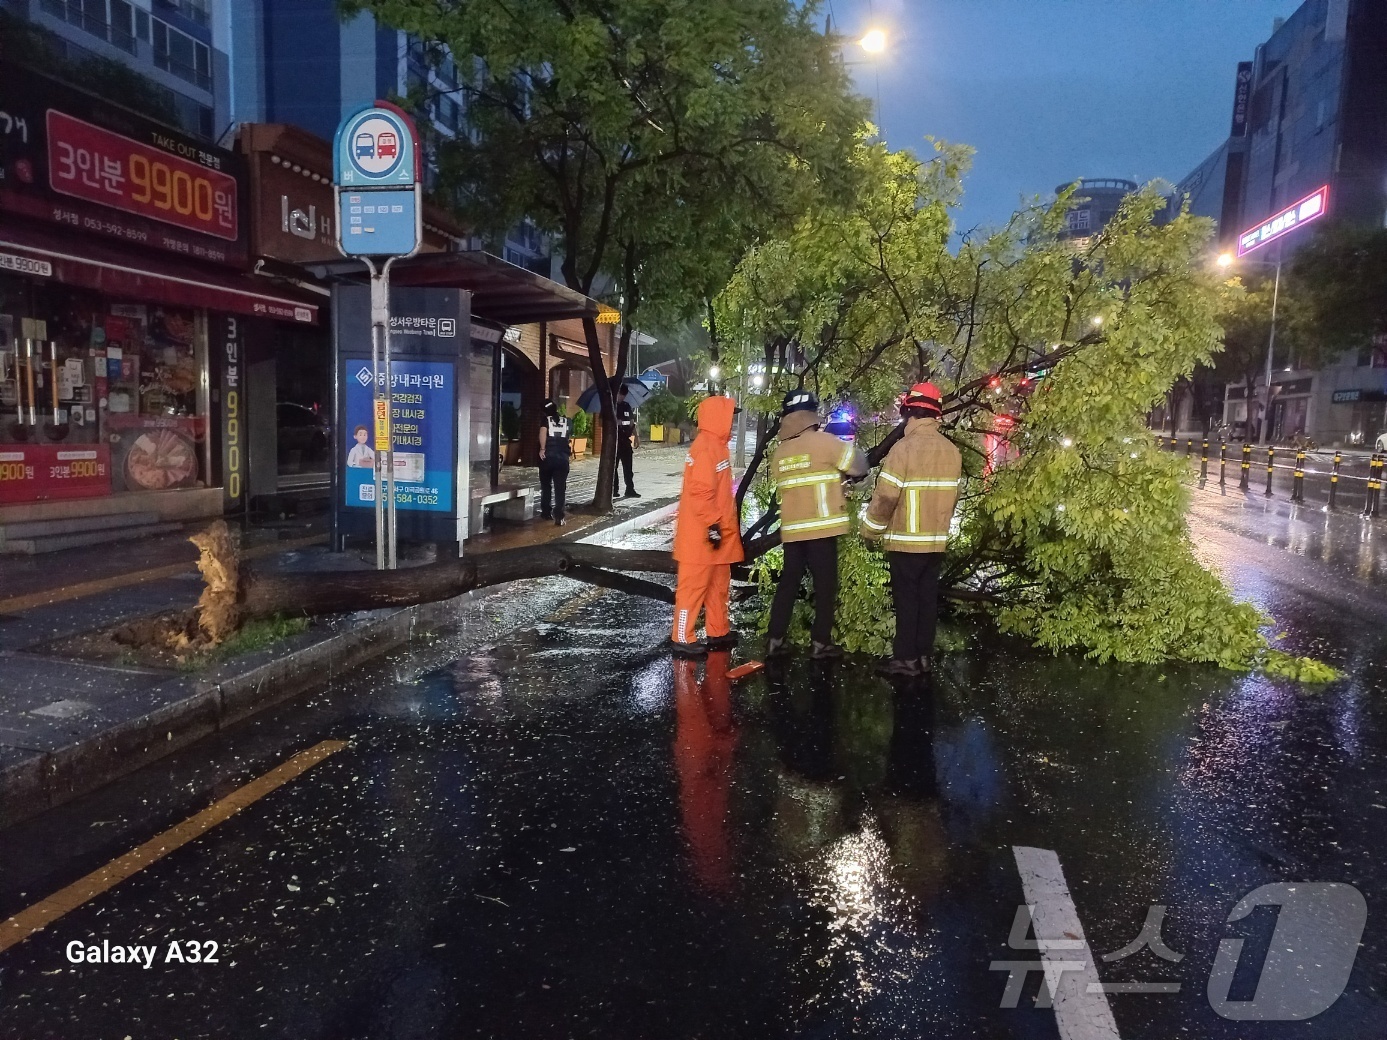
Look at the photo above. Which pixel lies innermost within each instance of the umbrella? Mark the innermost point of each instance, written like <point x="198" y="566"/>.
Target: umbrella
<point x="637" y="393"/>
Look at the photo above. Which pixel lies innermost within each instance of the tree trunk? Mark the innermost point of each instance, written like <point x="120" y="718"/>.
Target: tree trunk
<point x="606" y="464"/>
<point x="266" y="593"/>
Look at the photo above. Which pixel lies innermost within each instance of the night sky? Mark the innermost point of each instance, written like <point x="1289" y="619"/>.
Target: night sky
<point x="1048" y="91"/>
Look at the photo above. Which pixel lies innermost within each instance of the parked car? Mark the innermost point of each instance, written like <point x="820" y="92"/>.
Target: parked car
<point x="1381" y="443"/>
<point x="304" y="437"/>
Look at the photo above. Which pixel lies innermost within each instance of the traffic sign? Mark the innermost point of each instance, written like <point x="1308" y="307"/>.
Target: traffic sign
<point x="379" y="223"/>
<point x="374" y="148"/>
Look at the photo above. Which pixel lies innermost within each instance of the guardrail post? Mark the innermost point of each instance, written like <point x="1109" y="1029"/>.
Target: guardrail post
<point x="1271" y="464"/>
<point x="1223" y="464"/>
<point x="1174" y="443"/>
<point x="1189" y="446"/>
<point x="1368" y="504"/>
<point x="1247" y="467"/>
<point x="1334" y="481"/>
<point x="1204" y="462"/>
<point x="1298" y="487"/>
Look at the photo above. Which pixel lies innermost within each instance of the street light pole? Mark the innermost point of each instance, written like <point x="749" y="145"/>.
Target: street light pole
<point x="741" y="424"/>
<point x="1271" y="349"/>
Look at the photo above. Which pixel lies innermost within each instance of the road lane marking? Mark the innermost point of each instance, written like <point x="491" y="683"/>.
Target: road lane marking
<point x="1081" y="1008"/>
<point x="42" y="914"/>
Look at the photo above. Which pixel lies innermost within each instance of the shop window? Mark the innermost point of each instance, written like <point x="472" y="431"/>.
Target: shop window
<point x="105" y="396"/>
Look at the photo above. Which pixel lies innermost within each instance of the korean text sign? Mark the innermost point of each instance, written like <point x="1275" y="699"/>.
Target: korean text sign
<point x="423" y="423"/>
<point x="94" y="164"/>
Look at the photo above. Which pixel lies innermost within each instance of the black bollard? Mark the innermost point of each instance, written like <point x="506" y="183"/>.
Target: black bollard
<point x="1372" y="474"/>
<point x="1173" y="442"/>
<point x="1189" y="447"/>
<point x="1375" y="485"/>
<point x="1204" y="463"/>
<point x="1223" y="464"/>
<point x="1298" y="487"/>
<point x="1334" y="481"/>
<point x="1247" y="467"/>
<point x="1271" y="465"/>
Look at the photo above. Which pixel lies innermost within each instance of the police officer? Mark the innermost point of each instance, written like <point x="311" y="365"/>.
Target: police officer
<point x="808" y="467"/>
<point x="554" y="451"/>
<point x="910" y="512"/>
<point x="627" y="438"/>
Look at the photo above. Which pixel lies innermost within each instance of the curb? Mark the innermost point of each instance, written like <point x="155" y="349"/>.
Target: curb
<point x="144" y="726"/>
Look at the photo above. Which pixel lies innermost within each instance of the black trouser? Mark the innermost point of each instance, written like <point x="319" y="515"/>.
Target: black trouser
<point x="553" y="485"/>
<point x="820" y="556"/>
<point x="623" y="456"/>
<point x="915" y="593"/>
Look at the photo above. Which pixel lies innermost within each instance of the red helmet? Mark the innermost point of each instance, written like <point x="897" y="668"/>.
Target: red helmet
<point x="925" y="396"/>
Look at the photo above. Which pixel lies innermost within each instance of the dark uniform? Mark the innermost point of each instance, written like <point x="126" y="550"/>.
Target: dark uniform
<point x="626" y="432"/>
<point x="553" y="468"/>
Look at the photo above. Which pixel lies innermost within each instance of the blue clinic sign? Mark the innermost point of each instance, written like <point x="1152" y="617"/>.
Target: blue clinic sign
<point x="423" y="421"/>
<point x="374" y="148"/>
<point x="378" y="223"/>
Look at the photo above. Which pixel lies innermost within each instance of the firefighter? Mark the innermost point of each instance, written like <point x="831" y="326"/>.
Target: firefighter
<point x="627" y="439"/>
<point x="808" y="468"/>
<point x="554" y="452"/>
<point x="910" y="513"/>
<point x="707" y="535"/>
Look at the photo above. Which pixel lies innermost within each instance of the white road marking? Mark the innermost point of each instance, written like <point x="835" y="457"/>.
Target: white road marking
<point x="1081" y="1008"/>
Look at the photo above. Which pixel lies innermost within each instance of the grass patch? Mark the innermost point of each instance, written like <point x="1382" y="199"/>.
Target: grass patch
<point x="253" y="635"/>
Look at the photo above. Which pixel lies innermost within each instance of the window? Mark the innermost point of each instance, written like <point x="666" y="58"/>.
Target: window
<point x="142" y="24"/>
<point x="180" y="54"/>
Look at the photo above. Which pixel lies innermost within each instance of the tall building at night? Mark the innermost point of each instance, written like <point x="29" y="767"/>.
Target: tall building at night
<point x="1309" y="110"/>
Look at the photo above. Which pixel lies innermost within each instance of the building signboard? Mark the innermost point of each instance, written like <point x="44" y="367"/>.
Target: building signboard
<point x="77" y="160"/>
<point x="1307" y="209"/>
<point x="1242" y="96"/>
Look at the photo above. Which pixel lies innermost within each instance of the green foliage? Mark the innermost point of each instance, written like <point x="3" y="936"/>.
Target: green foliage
<point x="1080" y="536"/>
<point x="1338" y="284"/>
<point x="1282" y="665"/>
<point x="582" y="424"/>
<point x="663" y="408"/>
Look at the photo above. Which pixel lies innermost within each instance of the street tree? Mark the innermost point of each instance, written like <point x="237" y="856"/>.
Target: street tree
<point x="1049" y="357"/>
<point x="1338" y="290"/>
<point x="655" y="139"/>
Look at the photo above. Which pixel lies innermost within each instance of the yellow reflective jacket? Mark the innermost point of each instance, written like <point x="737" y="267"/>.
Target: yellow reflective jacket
<point x="916" y="491"/>
<point x="808" y="469"/>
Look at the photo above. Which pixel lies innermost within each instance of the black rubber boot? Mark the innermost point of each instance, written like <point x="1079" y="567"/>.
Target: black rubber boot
<point x="678" y="649"/>
<point x="726" y="642"/>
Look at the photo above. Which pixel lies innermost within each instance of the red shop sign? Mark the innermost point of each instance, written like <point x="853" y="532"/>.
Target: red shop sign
<point x="32" y="472"/>
<point x="94" y="164"/>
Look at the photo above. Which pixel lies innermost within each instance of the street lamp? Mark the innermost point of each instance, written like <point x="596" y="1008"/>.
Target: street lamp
<point x="874" y="42"/>
<point x="1227" y="260"/>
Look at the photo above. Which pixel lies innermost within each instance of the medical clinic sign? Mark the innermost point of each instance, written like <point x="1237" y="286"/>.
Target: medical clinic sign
<point x="1313" y="205"/>
<point x="74" y="159"/>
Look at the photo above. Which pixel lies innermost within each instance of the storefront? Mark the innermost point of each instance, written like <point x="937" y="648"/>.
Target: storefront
<point x="126" y="313"/>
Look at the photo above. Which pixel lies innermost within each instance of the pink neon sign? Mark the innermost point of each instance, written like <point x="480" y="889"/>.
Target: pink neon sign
<point x="1313" y="205"/>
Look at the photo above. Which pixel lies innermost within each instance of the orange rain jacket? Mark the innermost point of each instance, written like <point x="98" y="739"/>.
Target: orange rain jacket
<point x="707" y="496"/>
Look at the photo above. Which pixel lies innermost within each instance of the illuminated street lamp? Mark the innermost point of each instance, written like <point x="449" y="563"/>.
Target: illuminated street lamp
<point x="874" y="42"/>
<point x="1227" y="260"/>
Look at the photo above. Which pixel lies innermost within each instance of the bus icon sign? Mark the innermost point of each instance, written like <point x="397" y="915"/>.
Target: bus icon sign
<point x="374" y="148"/>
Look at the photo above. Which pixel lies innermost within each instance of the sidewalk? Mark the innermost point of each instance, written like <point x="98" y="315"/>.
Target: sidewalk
<point x="68" y="726"/>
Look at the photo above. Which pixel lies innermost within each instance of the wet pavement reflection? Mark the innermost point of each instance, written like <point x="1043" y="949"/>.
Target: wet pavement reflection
<point x="567" y="835"/>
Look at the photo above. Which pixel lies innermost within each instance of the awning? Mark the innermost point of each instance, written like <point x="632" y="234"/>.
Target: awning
<point x="150" y="279"/>
<point x="501" y="292"/>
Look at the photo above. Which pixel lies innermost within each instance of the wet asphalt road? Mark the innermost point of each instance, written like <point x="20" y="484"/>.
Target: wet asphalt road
<point x="564" y="834"/>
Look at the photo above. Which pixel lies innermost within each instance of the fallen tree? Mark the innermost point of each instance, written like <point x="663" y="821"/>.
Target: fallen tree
<point x="235" y="593"/>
